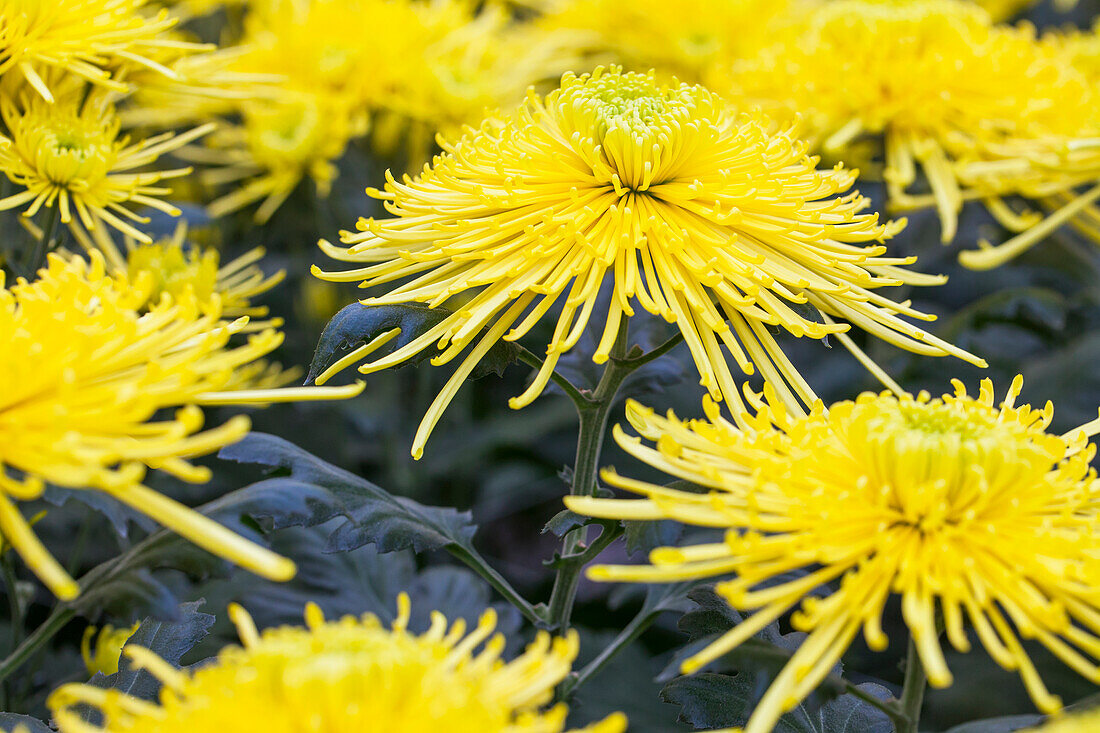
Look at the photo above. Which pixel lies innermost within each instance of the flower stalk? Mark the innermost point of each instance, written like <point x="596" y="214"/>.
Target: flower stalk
<point x="912" y="691"/>
<point x="46" y="243"/>
<point x="593" y="414"/>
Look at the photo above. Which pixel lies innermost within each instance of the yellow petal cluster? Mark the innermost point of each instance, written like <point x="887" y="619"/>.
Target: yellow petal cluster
<point x="1086" y="722"/>
<point x="965" y="507"/>
<point x="1056" y="165"/>
<point x="347" y="675"/>
<point x="178" y="268"/>
<point x="104" y="654"/>
<point x="69" y="154"/>
<point x="716" y="221"/>
<point x="935" y="81"/>
<point x="417" y="67"/>
<point x="686" y="39"/>
<point x="93" y="40"/>
<point x="88" y="364"/>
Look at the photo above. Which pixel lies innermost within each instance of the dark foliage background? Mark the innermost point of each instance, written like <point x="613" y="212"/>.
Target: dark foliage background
<point x="1038" y="316"/>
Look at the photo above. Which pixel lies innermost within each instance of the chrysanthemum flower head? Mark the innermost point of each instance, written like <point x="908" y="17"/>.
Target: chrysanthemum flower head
<point x="966" y="508"/>
<point x="718" y="222"/>
<point x="347" y="675"/>
<point x="935" y="79"/>
<point x="277" y="144"/>
<point x="70" y="154"/>
<point x="87" y="365"/>
<point x="468" y="59"/>
<point x="327" y="59"/>
<point x="685" y="38"/>
<point x="89" y="39"/>
<point x="1054" y="162"/>
<point x="180" y="269"/>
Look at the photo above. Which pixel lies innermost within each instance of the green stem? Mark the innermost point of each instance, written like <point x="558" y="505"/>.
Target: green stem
<point x="45" y="243"/>
<point x="912" y="691"/>
<point x="531" y="360"/>
<point x="667" y="346"/>
<point x="886" y="706"/>
<point x="477" y="563"/>
<point x="65" y="611"/>
<point x="16" y="613"/>
<point x="15" y="608"/>
<point x="626" y="637"/>
<point x="593" y="413"/>
<point x="62" y="614"/>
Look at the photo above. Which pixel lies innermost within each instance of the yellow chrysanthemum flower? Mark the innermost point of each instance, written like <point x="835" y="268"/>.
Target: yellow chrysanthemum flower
<point x="935" y="80"/>
<point x="717" y="222"/>
<point x="413" y="68"/>
<point x="346" y="675"/>
<point x="69" y="154"/>
<point x="277" y="145"/>
<point x="468" y="60"/>
<point x="89" y="39"/>
<point x="87" y="365"/>
<point x="175" y="268"/>
<point x="969" y="511"/>
<point x="107" y="651"/>
<point x="1056" y="164"/>
<point x="178" y="269"/>
<point x="685" y="38"/>
<point x="326" y="56"/>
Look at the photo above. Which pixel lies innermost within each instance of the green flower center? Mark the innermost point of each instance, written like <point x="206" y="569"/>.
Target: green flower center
<point x="173" y="270"/>
<point x="936" y="420"/>
<point x="630" y="128"/>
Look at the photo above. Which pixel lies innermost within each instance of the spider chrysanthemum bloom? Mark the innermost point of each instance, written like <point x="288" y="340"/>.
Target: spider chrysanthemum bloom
<point x="89" y="39"/>
<point x="718" y="222"/>
<point x="179" y="268"/>
<point x="412" y="68"/>
<point x="329" y="60"/>
<point x="469" y="59"/>
<point x="70" y="154"/>
<point x="348" y="675"/>
<point x="966" y="508"/>
<point x="173" y="267"/>
<point x="276" y="145"/>
<point x="1055" y="165"/>
<point x="685" y="38"/>
<point x="87" y="365"/>
<point x="933" y="80"/>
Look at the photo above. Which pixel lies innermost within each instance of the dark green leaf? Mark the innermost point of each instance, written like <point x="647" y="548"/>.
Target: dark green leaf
<point x="372" y="516"/>
<point x="709" y="700"/>
<point x="115" y="511"/>
<point x="8" y="721"/>
<point x="357" y="582"/>
<point x="130" y="590"/>
<point x="644" y="536"/>
<point x="358" y="323"/>
<point x="169" y="640"/>
<point x="565" y="521"/>
<point x="998" y="725"/>
<point x="849" y="714"/>
<point x="727" y="695"/>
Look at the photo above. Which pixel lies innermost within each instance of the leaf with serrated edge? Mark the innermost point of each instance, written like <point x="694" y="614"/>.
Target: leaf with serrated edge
<point x="169" y="640"/>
